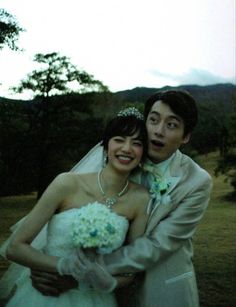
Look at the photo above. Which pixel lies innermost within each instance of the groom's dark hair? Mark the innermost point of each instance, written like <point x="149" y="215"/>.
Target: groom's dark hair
<point x="180" y="102"/>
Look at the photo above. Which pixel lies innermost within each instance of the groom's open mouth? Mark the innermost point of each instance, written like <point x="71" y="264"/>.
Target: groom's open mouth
<point x="157" y="144"/>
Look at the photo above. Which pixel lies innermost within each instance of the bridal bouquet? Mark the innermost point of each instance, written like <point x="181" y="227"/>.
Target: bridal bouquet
<point x="96" y="226"/>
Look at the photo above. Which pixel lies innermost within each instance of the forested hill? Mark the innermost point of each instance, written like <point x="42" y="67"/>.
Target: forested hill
<point x="225" y="93"/>
<point x="213" y="94"/>
<point x="42" y="137"/>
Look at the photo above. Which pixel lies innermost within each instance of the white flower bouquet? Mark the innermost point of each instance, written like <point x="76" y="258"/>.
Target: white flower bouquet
<point x="96" y="226"/>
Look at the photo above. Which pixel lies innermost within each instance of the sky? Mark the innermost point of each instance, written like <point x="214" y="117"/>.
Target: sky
<point x="126" y="43"/>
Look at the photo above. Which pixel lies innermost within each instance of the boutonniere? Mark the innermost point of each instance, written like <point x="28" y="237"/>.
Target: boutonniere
<point x="159" y="186"/>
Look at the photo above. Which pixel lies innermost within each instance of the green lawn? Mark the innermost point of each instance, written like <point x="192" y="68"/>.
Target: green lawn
<point x="214" y="241"/>
<point x="215" y="244"/>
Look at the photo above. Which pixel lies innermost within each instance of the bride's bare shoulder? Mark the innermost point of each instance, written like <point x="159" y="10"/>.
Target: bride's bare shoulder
<point x="70" y="177"/>
<point x="136" y="187"/>
<point x="74" y="180"/>
<point x="68" y="180"/>
<point x="140" y="192"/>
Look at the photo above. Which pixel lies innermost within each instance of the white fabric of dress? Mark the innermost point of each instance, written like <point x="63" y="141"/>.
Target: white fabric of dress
<point x="91" y="162"/>
<point x="59" y="244"/>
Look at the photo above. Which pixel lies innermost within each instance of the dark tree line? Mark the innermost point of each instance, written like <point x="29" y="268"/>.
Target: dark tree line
<point x="39" y="139"/>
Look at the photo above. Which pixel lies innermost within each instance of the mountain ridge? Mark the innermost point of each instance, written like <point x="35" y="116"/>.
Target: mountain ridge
<point x="221" y="92"/>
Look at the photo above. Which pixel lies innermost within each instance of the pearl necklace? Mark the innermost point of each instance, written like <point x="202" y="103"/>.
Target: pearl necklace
<point x="111" y="201"/>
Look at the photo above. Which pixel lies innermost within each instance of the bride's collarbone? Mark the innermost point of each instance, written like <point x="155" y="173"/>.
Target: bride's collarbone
<point x="77" y="199"/>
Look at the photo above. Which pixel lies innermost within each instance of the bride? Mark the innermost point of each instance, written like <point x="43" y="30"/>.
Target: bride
<point x="91" y="196"/>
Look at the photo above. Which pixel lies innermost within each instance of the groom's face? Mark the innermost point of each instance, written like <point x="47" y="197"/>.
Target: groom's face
<point x="165" y="132"/>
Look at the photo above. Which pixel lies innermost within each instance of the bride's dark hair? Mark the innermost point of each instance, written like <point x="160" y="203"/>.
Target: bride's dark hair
<point x="126" y="126"/>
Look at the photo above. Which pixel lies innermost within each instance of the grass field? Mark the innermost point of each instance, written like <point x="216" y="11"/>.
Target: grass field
<point x="214" y="242"/>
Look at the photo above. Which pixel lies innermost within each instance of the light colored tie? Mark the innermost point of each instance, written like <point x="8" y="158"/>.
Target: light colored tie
<point x="159" y="183"/>
<point x="152" y="168"/>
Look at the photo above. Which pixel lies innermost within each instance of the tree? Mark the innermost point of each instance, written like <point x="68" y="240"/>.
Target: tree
<point x="227" y="162"/>
<point x="15" y="164"/>
<point x="9" y="30"/>
<point x="57" y="76"/>
<point x="52" y="121"/>
<point x="204" y="138"/>
<point x="35" y="146"/>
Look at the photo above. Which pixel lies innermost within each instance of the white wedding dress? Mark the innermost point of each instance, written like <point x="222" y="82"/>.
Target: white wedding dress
<point x="59" y="244"/>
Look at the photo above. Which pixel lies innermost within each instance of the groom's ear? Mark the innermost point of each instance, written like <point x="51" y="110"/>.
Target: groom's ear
<point x="186" y="138"/>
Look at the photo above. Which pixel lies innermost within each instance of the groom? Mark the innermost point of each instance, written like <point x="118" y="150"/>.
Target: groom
<point x="165" y="252"/>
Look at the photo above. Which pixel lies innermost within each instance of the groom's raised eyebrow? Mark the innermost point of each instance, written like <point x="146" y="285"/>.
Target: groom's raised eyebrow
<point x="171" y="116"/>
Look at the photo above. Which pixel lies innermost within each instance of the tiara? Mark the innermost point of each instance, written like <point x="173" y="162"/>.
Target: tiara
<point x="131" y="111"/>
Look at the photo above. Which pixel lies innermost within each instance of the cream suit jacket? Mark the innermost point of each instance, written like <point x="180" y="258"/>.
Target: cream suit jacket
<point x="165" y="251"/>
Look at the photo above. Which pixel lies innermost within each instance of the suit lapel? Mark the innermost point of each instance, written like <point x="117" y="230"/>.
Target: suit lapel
<point x="175" y="172"/>
<point x="159" y="211"/>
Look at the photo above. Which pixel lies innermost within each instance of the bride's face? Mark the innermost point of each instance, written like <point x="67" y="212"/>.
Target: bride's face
<point x="125" y="152"/>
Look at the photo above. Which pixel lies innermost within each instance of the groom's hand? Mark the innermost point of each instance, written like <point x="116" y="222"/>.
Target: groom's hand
<point x="52" y="284"/>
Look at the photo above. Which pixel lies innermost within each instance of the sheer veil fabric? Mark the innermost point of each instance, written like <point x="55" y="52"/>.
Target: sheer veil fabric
<point x="91" y="162"/>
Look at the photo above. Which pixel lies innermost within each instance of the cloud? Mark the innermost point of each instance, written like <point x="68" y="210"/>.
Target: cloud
<point x="194" y="76"/>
